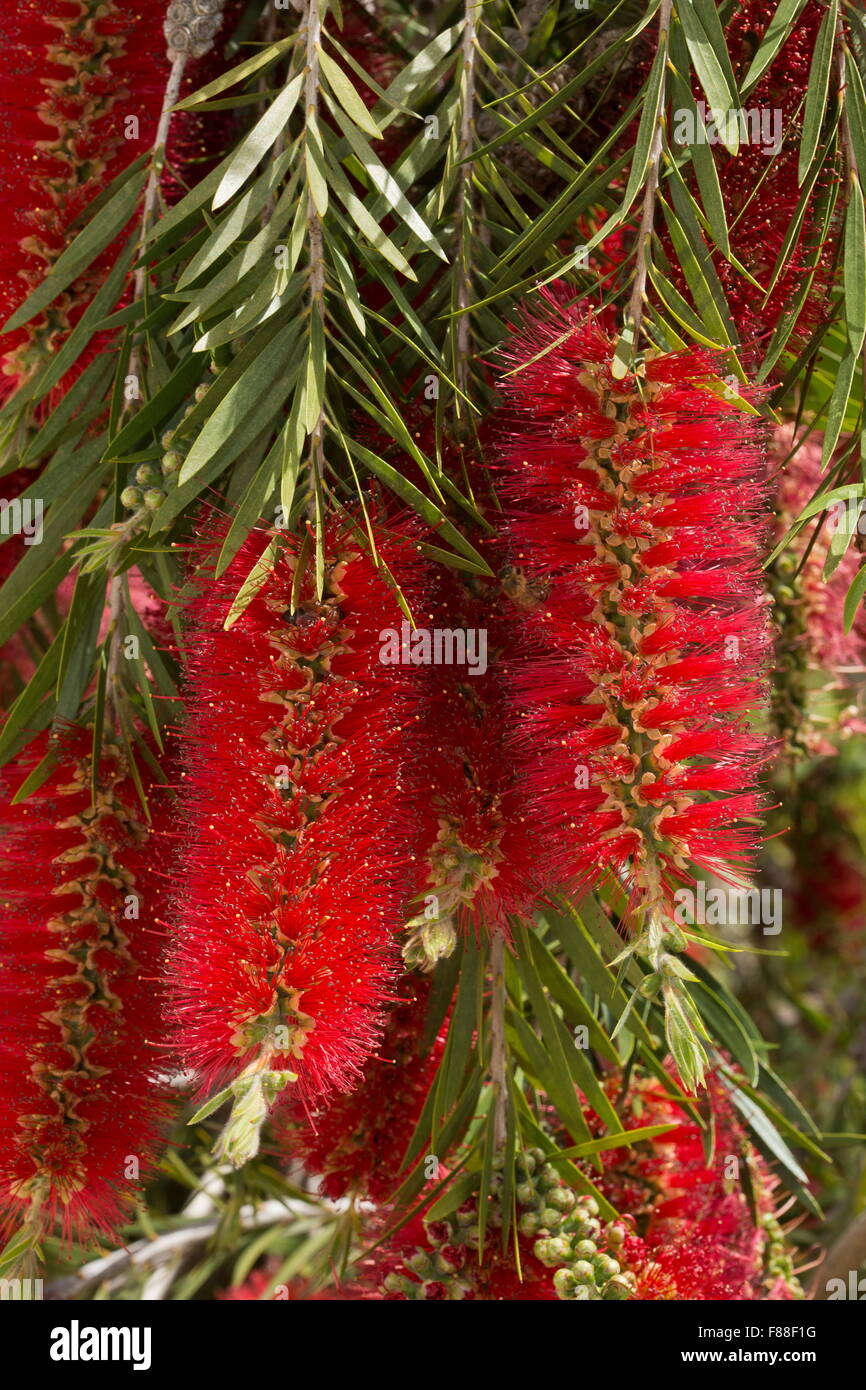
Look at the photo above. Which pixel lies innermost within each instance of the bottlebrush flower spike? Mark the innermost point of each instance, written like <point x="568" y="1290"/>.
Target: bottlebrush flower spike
<point x="81" y="893"/>
<point x="635" y="509"/>
<point x="357" y="1142"/>
<point x="284" y="951"/>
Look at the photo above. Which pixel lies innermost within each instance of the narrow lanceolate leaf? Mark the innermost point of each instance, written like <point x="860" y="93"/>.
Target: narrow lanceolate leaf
<point x="838" y="405"/>
<point x="650" y="116"/>
<point x="255" y="579"/>
<point x="854" y="597"/>
<point x="855" y="108"/>
<point x="387" y="185"/>
<point x="314" y="159"/>
<point x="713" y="67"/>
<point x="346" y="95"/>
<point x="254" y="146"/>
<point x="854" y="275"/>
<point x="89" y="243"/>
<point x="775" y="35"/>
<point x="231" y="419"/>
<point x="237" y="74"/>
<point x="816" y="95"/>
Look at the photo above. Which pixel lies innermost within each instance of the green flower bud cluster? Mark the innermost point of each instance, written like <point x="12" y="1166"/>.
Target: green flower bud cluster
<point x="151" y="482"/>
<point x="570" y="1238"/>
<point x="778" y="1261"/>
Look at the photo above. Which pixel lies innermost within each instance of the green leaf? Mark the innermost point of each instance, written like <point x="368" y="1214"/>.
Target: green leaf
<point x="771" y="1142"/>
<point x="158" y="410"/>
<point x="854" y="597"/>
<point x="60" y="362"/>
<point x="89" y="243"/>
<point x="237" y="74"/>
<point x="255" y="145"/>
<point x="816" y="93"/>
<point x="346" y="95"/>
<point x="423" y="68"/>
<point x="838" y="405"/>
<point x="387" y="186"/>
<point x="775" y="35"/>
<point x="854" y="267"/>
<point x="232" y="226"/>
<point x="316" y="168"/>
<point x="366" y="223"/>
<point x="419" y="503"/>
<point x="648" y="127"/>
<point x="232" y="416"/>
<point x="257" y="577"/>
<point x="713" y="70"/>
<point x="855" y="107"/>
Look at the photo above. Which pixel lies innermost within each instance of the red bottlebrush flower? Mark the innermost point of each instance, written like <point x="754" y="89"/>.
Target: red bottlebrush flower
<point x="284" y="953"/>
<point x="81" y="889"/>
<point x="701" y="1239"/>
<point x="475" y="858"/>
<point x="358" y="1141"/>
<point x="635" y="510"/>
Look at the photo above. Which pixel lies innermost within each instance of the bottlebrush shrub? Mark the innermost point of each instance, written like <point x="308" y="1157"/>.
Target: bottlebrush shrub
<point x="475" y="856"/>
<point x="635" y="510"/>
<point x="357" y="1142"/>
<point x="82" y="888"/>
<point x="809" y="608"/>
<point x="283" y="955"/>
<point x="702" y="1237"/>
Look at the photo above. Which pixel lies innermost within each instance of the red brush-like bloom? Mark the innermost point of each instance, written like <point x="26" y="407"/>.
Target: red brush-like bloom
<point x="475" y="859"/>
<point x="284" y="952"/>
<point x="701" y="1237"/>
<point x="357" y="1142"/>
<point x="635" y="511"/>
<point x="81" y="889"/>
